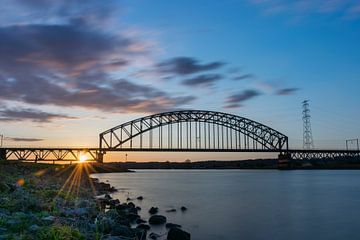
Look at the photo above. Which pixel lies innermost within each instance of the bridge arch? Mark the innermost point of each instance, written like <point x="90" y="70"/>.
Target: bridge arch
<point x="193" y="130"/>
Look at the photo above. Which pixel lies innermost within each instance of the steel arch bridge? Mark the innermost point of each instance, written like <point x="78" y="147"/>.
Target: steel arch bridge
<point x="193" y="130"/>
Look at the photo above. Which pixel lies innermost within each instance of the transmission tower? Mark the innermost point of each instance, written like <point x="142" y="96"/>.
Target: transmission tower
<point x="308" y="142"/>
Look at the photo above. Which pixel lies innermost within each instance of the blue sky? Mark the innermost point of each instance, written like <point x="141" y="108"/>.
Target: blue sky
<point x="70" y="71"/>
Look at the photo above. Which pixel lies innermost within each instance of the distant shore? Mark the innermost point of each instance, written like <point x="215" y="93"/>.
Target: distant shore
<point x="340" y="163"/>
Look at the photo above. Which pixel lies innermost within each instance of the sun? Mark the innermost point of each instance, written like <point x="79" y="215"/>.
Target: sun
<point x="83" y="158"/>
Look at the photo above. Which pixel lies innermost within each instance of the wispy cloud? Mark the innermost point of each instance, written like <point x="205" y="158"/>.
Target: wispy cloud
<point x="286" y="91"/>
<point x="236" y="100"/>
<point x="205" y="80"/>
<point x="27" y="114"/>
<point x="244" y="77"/>
<point x="187" y="65"/>
<point x="23" y="139"/>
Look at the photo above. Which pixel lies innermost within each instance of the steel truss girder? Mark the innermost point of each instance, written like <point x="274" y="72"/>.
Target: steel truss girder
<point x="51" y="154"/>
<point x="322" y="154"/>
<point x="269" y="138"/>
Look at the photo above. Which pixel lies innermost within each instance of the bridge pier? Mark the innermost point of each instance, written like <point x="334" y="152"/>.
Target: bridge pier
<point x="284" y="161"/>
<point x="100" y="157"/>
<point x="2" y="154"/>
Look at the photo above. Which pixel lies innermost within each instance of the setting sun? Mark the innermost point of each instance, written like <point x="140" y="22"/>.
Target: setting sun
<point x="83" y="158"/>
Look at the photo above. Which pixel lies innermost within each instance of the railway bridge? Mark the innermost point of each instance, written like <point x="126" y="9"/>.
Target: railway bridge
<point x="181" y="131"/>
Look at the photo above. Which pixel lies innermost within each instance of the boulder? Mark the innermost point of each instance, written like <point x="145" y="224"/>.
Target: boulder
<point x="143" y="226"/>
<point x="114" y="202"/>
<point x="183" y="208"/>
<point x="157" y="220"/>
<point x="131" y="204"/>
<point x="172" y="225"/>
<point x="139" y="221"/>
<point x="171" y="210"/>
<point x="154" y="210"/>
<point x="177" y="234"/>
<point x="154" y="236"/>
<point x="140" y="198"/>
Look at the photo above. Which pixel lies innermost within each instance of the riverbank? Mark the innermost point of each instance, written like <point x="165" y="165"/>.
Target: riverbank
<point x="43" y="201"/>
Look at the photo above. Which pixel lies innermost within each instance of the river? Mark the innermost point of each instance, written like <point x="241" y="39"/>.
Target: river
<point x="249" y="204"/>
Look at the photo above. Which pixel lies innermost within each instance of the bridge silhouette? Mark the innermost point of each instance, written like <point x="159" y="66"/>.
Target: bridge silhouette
<point x="182" y="131"/>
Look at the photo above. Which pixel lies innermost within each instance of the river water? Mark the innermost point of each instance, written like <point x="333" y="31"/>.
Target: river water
<point x="249" y="204"/>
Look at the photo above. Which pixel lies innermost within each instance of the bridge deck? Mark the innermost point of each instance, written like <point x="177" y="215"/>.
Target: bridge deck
<point x="96" y="154"/>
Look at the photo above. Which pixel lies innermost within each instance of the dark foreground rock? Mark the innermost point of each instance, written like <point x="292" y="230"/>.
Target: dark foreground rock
<point x="172" y="225"/>
<point x="178" y="234"/>
<point x="157" y="220"/>
<point x="154" y="210"/>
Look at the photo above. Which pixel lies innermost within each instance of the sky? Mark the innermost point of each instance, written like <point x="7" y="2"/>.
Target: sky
<point x="72" y="69"/>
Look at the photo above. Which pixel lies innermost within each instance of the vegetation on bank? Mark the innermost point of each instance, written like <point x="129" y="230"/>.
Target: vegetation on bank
<point x="62" y="202"/>
<point x="43" y="201"/>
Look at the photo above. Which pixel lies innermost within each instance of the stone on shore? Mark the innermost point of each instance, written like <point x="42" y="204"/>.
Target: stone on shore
<point x="143" y="226"/>
<point x="157" y="220"/>
<point x="172" y="225"/>
<point x="183" y="208"/>
<point x="154" y="210"/>
<point x="171" y="210"/>
<point x="178" y="234"/>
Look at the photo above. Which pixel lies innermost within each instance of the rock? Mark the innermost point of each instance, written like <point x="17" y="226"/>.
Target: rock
<point x="143" y="226"/>
<point x="114" y="202"/>
<point x="140" y="198"/>
<point x="140" y="234"/>
<point x="122" y="231"/>
<point x="154" y="236"/>
<point x="172" y="225"/>
<point x="128" y="199"/>
<point x="138" y="208"/>
<point x="34" y="228"/>
<point x="139" y="220"/>
<point x="177" y="234"/>
<point x="157" y="220"/>
<point x="108" y="197"/>
<point x="113" y="214"/>
<point x="171" y="210"/>
<point x="131" y="204"/>
<point x="132" y="217"/>
<point x="154" y="210"/>
<point x="183" y="208"/>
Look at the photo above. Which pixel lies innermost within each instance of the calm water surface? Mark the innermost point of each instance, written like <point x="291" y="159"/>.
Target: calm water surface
<point x="249" y="204"/>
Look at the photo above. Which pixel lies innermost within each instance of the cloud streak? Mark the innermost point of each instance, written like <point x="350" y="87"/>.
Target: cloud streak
<point x="187" y="65"/>
<point x="22" y="139"/>
<point x="205" y="80"/>
<point x="27" y="114"/>
<point x="236" y="100"/>
<point x="286" y="91"/>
